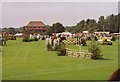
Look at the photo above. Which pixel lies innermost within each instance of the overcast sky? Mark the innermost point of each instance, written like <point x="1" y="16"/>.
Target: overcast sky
<point x="18" y="14"/>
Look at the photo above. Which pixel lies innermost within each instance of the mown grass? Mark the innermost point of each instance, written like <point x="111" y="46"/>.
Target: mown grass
<point x="30" y="61"/>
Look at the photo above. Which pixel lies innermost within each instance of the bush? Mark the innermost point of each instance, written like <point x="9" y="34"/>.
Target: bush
<point x="49" y="47"/>
<point x="95" y="50"/>
<point x="35" y="39"/>
<point x="56" y="48"/>
<point x="26" y="40"/>
<point x="31" y="40"/>
<point x="113" y="38"/>
<point x="61" y="50"/>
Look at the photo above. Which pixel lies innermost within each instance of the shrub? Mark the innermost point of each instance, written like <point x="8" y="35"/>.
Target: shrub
<point x="49" y="47"/>
<point x="26" y="40"/>
<point x="95" y="50"/>
<point x="31" y="40"/>
<point x="61" y="50"/>
<point x="113" y="38"/>
<point x="56" y="48"/>
<point x="35" y="39"/>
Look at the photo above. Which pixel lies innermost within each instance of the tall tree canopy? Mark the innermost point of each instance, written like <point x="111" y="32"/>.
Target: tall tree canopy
<point x="9" y="30"/>
<point x="56" y="28"/>
<point x="101" y="23"/>
<point x="110" y="23"/>
<point x="89" y="24"/>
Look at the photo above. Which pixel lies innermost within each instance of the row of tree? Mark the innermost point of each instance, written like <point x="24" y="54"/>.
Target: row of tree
<point x="12" y="30"/>
<point x="110" y="23"/>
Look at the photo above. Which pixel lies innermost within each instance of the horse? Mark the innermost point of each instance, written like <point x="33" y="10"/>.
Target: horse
<point x="61" y="39"/>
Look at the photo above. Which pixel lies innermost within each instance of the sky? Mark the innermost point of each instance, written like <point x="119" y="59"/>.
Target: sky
<point x="59" y="0"/>
<point x="18" y="14"/>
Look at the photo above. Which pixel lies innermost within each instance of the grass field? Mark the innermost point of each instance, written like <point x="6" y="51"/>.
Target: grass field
<point x="30" y="61"/>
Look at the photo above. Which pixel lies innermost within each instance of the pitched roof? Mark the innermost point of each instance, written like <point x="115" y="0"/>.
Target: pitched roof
<point x="35" y="23"/>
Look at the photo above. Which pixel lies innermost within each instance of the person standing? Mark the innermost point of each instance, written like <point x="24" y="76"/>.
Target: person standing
<point x="5" y="40"/>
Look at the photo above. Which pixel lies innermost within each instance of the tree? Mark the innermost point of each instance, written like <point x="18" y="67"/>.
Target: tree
<point x="57" y="28"/>
<point x="49" y="31"/>
<point x="95" y="50"/>
<point x="5" y="29"/>
<point x="111" y="23"/>
<point x="101" y="23"/>
<point x="119" y="21"/>
<point x="90" y="25"/>
<point x="68" y="28"/>
<point x="19" y="30"/>
<point x="11" y="30"/>
<point x="80" y="26"/>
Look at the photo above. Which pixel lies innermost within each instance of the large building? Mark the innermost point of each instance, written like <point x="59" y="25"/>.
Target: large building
<point x="35" y="27"/>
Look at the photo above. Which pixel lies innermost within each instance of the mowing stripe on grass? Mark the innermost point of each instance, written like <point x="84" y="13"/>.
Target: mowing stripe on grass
<point x="26" y="54"/>
<point x="51" y="71"/>
<point x="47" y="71"/>
<point x="31" y="61"/>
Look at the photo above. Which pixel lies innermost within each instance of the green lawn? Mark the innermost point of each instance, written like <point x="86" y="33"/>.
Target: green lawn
<point x="30" y="61"/>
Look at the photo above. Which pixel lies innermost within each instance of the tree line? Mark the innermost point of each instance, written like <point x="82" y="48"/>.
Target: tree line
<point x="110" y="23"/>
<point x="12" y="30"/>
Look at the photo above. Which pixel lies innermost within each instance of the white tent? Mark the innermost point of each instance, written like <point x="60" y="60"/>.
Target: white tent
<point x="85" y="31"/>
<point x="18" y="34"/>
<point x="66" y="34"/>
